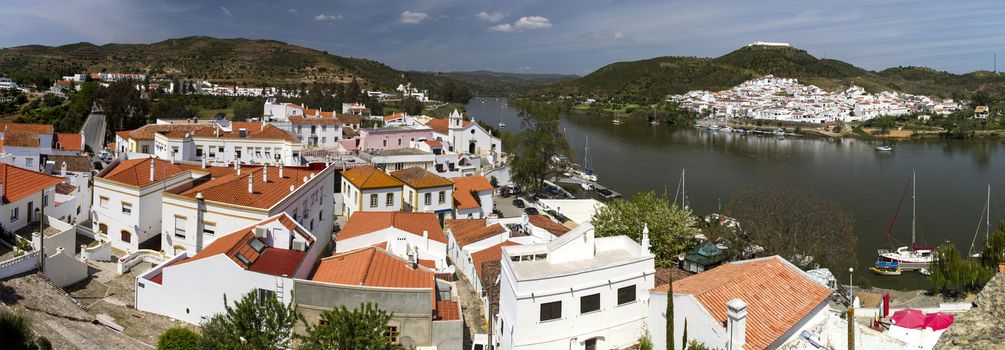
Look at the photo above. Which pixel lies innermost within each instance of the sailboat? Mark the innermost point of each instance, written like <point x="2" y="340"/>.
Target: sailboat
<point x="501" y="123"/>
<point x="587" y="165"/>
<point x="912" y="257"/>
<point x="682" y="190"/>
<point x="986" y="217"/>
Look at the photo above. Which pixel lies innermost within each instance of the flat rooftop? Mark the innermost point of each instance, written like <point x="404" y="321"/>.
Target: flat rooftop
<point x="397" y="152"/>
<point x="534" y="269"/>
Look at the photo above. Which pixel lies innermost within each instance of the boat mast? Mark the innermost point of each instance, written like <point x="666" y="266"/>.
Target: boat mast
<point x="987" y="228"/>
<point x="914" y="204"/>
<point x="683" y="188"/>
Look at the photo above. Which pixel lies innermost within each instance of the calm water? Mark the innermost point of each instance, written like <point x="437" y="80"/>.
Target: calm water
<point x="952" y="175"/>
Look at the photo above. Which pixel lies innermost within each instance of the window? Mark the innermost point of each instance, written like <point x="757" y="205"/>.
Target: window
<point x="29" y="162"/>
<point x="103" y="201"/>
<point x="125" y="236"/>
<point x="591" y="344"/>
<point x="551" y="311"/>
<point x="392" y="334"/>
<point x="390" y="200"/>
<point x="429" y="198"/>
<point x="240" y="257"/>
<point x="209" y="228"/>
<point x="256" y="244"/>
<point x="443" y="197"/>
<point x="127" y="208"/>
<point x="45" y="200"/>
<point x="174" y="150"/>
<point x="385" y="143"/>
<point x="399" y="141"/>
<point x="626" y="294"/>
<point x="13" y="214"/>
<point x="146" y="149"/>
<point x="265" y="294"/>
<point x="373" y="200"/>
<point x="198" y="152"/>
<point x="589" y="303"/>
<point x="179" y="226"/>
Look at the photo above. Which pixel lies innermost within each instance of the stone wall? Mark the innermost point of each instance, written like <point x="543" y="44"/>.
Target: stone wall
<point x="982" y="326"/>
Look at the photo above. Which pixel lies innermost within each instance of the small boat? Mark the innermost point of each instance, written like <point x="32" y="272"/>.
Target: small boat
<point x="617" y="122"/>
<point x="726" y="129"/>
<point x="886" y="271"/>
<point x="713" y="127"/>
<point x="925" y="271"/>
<point x="778" y="132"/>
<point x="586" y="186"/>
<point x="884" y="148"/>
<point x="502" y="125"/>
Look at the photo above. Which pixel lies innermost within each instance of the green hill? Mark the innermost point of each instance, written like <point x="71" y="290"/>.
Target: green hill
<point x="654" y="79"/>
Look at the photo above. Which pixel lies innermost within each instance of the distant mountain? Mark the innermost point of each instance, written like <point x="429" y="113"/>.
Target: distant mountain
<point x="654" y="79"/>
<point x="486" y="83"/>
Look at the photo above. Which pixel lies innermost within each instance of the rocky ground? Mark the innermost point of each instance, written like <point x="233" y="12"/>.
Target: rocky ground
<point x="982" y="326"/>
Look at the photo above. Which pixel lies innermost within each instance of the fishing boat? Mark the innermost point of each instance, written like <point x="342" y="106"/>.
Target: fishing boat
<point x="886" y="268"/>
<point x="914" y="256"/>
<point x="884" y="148"/>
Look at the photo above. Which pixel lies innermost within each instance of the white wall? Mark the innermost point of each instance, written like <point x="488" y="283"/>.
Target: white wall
<point x="417" y="200"/>
<point x="389" y="234"/>
<point x="145" y="220"/>
<point x="10" y="223"/>
<point x="355" y="200"/>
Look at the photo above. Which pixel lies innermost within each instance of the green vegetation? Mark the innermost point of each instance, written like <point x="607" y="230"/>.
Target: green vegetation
<point x="485" y="83"/>
<point x="252" y="323"/>
<point x="16" y="332"/>
<point x="651" y="80"/>
<point x="179" y="338"/>
<point x="344" y="329"/>
<point x="540" y="140"/>
<point x="953" y="272"/>
<point x="671" y="228"/>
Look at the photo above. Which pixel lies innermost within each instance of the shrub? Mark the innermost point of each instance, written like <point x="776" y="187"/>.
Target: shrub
<point x="645" y="343"/>
<point x="179" y="338"/>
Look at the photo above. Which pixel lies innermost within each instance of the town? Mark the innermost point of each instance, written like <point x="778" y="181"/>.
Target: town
<point x="304" y="208"/>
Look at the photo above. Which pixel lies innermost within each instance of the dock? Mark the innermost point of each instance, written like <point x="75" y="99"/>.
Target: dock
<point x="604" y="192"/>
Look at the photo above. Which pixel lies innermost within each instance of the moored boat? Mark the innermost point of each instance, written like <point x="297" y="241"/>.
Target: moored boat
<point x="884" y="148"/>
<point x="914" y="256"/>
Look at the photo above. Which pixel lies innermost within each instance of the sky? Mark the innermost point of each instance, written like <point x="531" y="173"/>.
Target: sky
<point x="548" y="36"/>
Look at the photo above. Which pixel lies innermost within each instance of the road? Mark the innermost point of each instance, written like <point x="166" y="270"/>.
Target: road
<point x="94" y="130"/>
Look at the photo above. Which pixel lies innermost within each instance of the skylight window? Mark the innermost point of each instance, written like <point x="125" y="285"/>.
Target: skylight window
<point x="256" y="244"/>
<point x="242" y="259"/>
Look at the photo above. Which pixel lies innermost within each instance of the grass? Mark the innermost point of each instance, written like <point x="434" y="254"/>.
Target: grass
<point x="210" y="113"/>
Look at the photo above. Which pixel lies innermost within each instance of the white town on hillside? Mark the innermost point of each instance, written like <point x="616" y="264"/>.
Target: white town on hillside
<point x="309" y="206"/>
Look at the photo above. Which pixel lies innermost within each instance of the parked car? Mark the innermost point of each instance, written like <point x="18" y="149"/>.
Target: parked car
<point x="531" y="211"/>
<point x="518" y="203"/>
<point x="98" y="166"/>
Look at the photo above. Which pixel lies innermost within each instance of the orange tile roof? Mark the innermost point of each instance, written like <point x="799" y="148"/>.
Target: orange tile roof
<point x="447" y="311"/>
<point x="21" y="139"/>
<point x="148" y="131"/>
<point x="465" y="189"/>
<point x="545" y="223"/>
<point x="136" y="172"/>
<point x="467" y="231"/>
<point x="442" y="125"/>
<point x="19" y="183"/>
<point x="233" y="189"/>
<point x="395" y="116"/>
<point x="273" y="261"/>
<point x="778" y="295"/>
<point x="420" y="178"/>
<point x="254" y="130"/>
<point x="434" y="144"/>
<point x="493" y="253"/>
<point x="26" y="127"/>
<point x="369" y="177"/>
<point x="365" y="222"/>
<point x="373" y="267"/>
<point x="70" y="142"/>
<point x="296" y="119"/>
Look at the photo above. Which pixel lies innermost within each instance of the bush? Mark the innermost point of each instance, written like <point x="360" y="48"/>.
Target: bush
<point x="645" y="343"/>
<point x="179" y="338"/>
<point x="494" y="181"/>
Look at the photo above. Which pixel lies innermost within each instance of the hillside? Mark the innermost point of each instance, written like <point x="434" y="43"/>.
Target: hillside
<point x="486" y="83"/>
<point x="653" y="79"/>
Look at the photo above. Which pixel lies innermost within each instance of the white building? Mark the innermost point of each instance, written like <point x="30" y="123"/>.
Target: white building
<point x="369" y="189"/>
<point x="7" y="84"/>
<point x="407" y="235"/>
<point x="463" y="136"/>
<point x="73" y="197"/>
<point x="752" y="304"/>
<point x="575" y="292"/>
<point x="263" y="258"/>
<point x="29" y="144"/>
<point x="472" y="197"/>
<point x="426" y="192"/>
<point x="26" y="195"/>
<point x="228" y="142"/>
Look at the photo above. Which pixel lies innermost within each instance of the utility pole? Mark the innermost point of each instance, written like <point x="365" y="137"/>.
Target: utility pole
<point x="851" y="327"/>
<point x="41" y="234"/>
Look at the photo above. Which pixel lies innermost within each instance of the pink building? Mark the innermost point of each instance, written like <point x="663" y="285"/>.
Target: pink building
<point x="391" y="137"/>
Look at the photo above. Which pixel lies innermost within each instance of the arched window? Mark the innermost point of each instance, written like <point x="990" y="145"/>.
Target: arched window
<point x="103" y="228"/>
<point x="126" y="236"/>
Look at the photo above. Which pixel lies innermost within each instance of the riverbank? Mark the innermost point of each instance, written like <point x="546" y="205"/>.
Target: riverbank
<point x="849" y="130"/>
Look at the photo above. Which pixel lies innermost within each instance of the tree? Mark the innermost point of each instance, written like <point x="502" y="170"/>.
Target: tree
<point x="179" y="338"/>
<point x="411" y="105"/>
<point x="16" y="333"/>
<point x="669" y="316"/>
<point x="251" y="324"/>
<point x="244" y="110"/>
<point x="343" y="329"/>
<point x="124" y="108"/>
<point x="671" y="228"/>
<point x="802" y="228"/>
<point x="540" y="140"/>
<point x="170" y="107"/>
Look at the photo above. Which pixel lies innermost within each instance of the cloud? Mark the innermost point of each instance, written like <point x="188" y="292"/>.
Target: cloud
<point x="532" y="22"/>
<point x="495" y="16"/>
<point x="292" y="10"/>
<point x="413" y="17"/>
<point x="505" y="27"/>
<point x="226" y="12"/>
<point x="603" y="35"/>
<point x="522" y="24"/>
<point x="323" y="17"/>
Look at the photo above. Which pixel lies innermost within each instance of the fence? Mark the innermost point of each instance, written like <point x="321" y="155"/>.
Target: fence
<point x="127" y="262"/>
<point x="19" y="265"/>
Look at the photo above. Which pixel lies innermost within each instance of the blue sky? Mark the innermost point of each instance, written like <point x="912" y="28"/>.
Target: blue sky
<point x="549" y="36"/>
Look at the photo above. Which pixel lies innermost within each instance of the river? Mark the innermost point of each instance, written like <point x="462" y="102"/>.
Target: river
<point x="951" y="190"/>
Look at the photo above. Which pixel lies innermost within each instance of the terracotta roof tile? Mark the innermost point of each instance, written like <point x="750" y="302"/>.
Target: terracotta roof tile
<point x="420" y="178"/>
<point x="20" y="183"/>
<point x="148" y="131"/>
<point x="70" y="142"/>
<point x="368" y="177"/>
<point x="467" y="231"/>
<point x="490" y="254"/>
<point x="373" y="267"/>
<point x="465" y="191"/>
<point x="26" y="127"/>
<point x="233" y="189"/>
<point x="311" y="120"/>
<point x="254" y="130"/>
<point x="778" y="295"/>
<point x="273" y="261"/>
<point x="21" y="139"/>
<point x="442" y="125"/>
<point x="136" y="172"/>
<point x="80" y="164"/>
<point x="65" y="188"/>
<point x="395" y="116"/>
<point x="434" y="144"/>
<point x="545" y="223"/>
<point x="447" y="311"/>
<point x="365" y="222"/>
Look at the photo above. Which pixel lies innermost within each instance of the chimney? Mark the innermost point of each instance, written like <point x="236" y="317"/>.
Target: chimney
<point x="645" y="239"/>
<point x="152" y="161"/>
<point x="62" y="171"/>
<point x="204" y="162"/>
<point x="265" y="172"/>
<point x="251" y="183"/>
<point x="237" y="166"/>
<point x="737" y="326"/>
<point x="280" y="170"/>
<point x="425" y="239"/>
